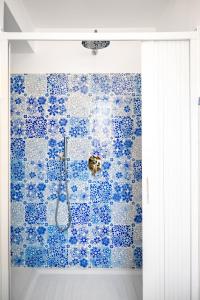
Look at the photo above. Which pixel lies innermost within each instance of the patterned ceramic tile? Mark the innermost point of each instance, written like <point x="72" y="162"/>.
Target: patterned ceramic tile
<point x="36" y="84"/>
<point x="122" y="213"/>
<point x="100" y="114"/>
<point x="122" y="257"/>
<point x="17" y="213"/>
<point x="36" y="149"/>
<point x="79" y="105"/>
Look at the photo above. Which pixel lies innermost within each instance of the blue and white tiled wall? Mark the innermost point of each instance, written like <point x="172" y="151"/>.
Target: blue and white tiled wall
<point x="100" y="114"/>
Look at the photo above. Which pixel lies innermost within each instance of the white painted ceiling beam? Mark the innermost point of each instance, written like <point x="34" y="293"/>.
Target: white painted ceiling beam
<point x="113" y="36"/>
<point x="21" y="19"/>
<point x="100" y="29"/>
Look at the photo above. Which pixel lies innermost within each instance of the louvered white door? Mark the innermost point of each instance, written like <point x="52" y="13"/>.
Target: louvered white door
<point x="166" y="170"/>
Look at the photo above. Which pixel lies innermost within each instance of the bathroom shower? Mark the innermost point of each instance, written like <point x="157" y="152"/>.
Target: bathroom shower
<point x="77" y="166"/>
<point x="76" y="172"/>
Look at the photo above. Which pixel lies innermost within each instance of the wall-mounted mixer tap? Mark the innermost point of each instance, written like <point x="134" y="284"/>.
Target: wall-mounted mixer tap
<point x="94" y="164"/>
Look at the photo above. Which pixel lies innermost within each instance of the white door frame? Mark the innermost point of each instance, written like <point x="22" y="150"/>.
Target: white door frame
<point x="5" y="38"/>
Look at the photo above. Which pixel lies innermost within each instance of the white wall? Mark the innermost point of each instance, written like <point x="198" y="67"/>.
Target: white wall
<point x="72" y="57"/>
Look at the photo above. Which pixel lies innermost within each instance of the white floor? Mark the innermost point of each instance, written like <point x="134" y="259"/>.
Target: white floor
<point x="44" y="284"/>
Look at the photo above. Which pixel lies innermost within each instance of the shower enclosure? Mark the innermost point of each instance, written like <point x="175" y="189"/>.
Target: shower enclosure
<point x="97" y="114"/>
<point x="63" y="215"/>
<point x="82" y="188"/>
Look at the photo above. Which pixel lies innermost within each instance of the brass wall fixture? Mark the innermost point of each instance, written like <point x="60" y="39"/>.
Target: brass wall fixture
<point x="94" y="164"/>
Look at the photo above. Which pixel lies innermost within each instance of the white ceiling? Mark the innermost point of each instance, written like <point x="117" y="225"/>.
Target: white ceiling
<point x="93" y="13"/>
<point x="162" y="14"/>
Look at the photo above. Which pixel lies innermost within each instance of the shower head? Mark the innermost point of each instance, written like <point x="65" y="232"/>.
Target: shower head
<point x="95" y="45"/>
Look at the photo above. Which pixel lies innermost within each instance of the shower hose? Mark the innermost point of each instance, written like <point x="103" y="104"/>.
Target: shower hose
<point x="60" y="227"/>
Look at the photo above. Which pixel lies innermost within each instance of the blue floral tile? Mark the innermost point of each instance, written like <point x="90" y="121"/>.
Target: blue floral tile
<point x="123" y="105"/>
<point x="17" y="257"/>
<point x="123" y="148"/>
<point x="137" y="257"/>
<point x="57" y="256"/>
<point x="78" y="191"/>
<point x="17" y="128"/>
<point x="123" y="127"/>
<point x="101" y="147"/>
<point x="17" y="108"/>
<point x="100" y="257"/>
<point x="78" y="127"/>
<point x="80" y="213"/>
<point x="35" y="213"/>
<point x="56" y="106"/>
<point x="35" y="191"/>
<point x="17" y="191"/>
<point x="35" y="235"/>
<point x="100" y="83"/>
<point x="36" y="106"/>
<point x="78" y="170"/>
<point x="100" y="235"/>
<point x="101" y="214"/>
<point x="138" y="214"/>
<point x="18" y="148"/>
<point x="79" y="83"/>
<point x="123" y="84"/>
<point x="36" y="127"/>
<point x="100" y="191"/>
<point x="17" y="84"/>
<point x="101" y="126"/>
<point x="122" y="170"/>
<point x="16" y="235"/>
<point x="122" y="192"/>
<point x="137" y="166"/>
<point x="137" y="83"/>
<point x="57" y="84"/>
<point x="79" y="235"/>
<point x="55" y="190"/>
<point x="79" y="257"/>
<point x="36" y="170"/>
<point x="55" y="170"/>
<point x="35" y="256"/>
<point x="57" y="127"/>
<point x="122" y="235"/>
<point x="137" y="106"/>
<point x="17" y="170"/>
<point x="55" y="236"/>
<point x="55" y="148"/>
